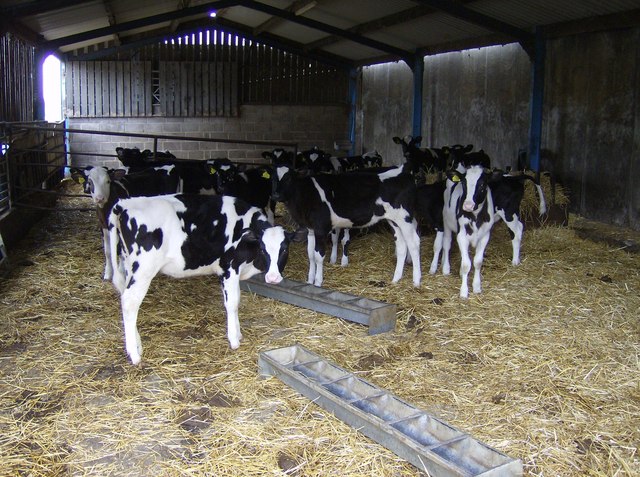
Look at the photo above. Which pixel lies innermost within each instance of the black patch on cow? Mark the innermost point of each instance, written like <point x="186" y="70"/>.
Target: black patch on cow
<point x="134" y="266"/>
<point x="148" y="240"/>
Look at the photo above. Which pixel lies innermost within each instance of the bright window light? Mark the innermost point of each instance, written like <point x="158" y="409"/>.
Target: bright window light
<point x="52" y="89"/>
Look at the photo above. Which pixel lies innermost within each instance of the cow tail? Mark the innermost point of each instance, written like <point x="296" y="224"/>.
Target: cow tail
<point x="542" y="207"/>
<point x="117" y="248"/>
<point x="543" y="203"/>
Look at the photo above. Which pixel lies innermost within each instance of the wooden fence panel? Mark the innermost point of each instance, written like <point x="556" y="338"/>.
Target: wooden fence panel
<point x="198" y="78"/>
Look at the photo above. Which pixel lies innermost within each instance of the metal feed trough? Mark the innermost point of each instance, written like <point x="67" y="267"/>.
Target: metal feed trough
<point x="380" y="317"/>
<point x="422" y="439"/>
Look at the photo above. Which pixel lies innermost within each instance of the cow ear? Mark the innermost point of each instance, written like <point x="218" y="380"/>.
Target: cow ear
<point x="397" y="140"/>
<point x="117" y="174"/>
<point x="299" y="235"/>
<point x="78" y="175"/>
<point x="250" y="235"/>
<point x="454" y="176"/>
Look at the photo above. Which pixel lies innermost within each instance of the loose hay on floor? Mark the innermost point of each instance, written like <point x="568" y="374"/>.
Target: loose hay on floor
<point x="544" y="365"/>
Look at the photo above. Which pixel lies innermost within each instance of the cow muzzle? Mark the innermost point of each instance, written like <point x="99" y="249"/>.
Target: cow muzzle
<point x="468" y="206"/>
<point x="273" y="277"/>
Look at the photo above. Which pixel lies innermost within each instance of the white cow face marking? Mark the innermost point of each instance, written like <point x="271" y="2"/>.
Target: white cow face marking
<point x="276" y="247"/>
<point x="476" y="189"/>
<point x="99" y="184"/>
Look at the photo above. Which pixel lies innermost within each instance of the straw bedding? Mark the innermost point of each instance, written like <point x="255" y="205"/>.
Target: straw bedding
<point x="543" y="365"/>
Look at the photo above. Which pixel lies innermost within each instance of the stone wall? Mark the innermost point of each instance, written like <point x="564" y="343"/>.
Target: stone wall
<point x="307" y="126"/>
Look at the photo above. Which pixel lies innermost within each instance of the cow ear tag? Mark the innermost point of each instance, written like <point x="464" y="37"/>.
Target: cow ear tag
<point x="212" y="170"/>
<point x="266" y="175"/>
<point x="81" y="180"/>
<point x="455" y="178"/>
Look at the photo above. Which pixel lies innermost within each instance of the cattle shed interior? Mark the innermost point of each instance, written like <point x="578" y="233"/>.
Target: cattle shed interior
<point x="542" y="366"/>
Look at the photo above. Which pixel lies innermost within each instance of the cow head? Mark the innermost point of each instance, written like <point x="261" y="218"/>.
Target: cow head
<point x="272" y="244"/>
<point x="475" y="187"/>
<point x="96" y="181"/>
<point x="222" y="173"/>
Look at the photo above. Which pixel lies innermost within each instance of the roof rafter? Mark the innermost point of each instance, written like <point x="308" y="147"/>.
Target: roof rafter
<point x="296" y="7"/>
<point x="152" y="20"/>
<point x="388" y="21"/>
<point x="289" y="16"/>
<point x="36" y="7"/>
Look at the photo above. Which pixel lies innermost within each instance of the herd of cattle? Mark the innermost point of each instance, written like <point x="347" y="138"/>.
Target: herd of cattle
<point x="189" y="217"/>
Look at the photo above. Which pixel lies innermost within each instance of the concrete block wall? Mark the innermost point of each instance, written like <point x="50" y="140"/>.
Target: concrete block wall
<point x="307" y="126"/>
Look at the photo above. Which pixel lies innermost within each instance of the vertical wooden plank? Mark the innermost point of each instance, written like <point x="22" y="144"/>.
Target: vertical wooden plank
<point x="83" y="89"/>
<point x="113" y="85"/>
<point x="68" y="88"/>
<point x="186" y="83"/>
<point x="126" y="92"/>
<point x="219" y="73"/>
<point x="137" y="70"/>
<point x="91" y="85"/>
<point x="148" y="88"/>
<point x="197" y="88"/>
<point x="99" y="94"/>
<point x="204" y="88"/>
<point x="77" y="100"/>
<point x="119" y="93"/>
<point x="233" y="90"/>
<point x="172" y="88"/>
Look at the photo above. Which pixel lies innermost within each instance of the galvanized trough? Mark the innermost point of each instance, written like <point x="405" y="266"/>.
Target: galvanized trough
<point x="422" y="439"/>
<point x="380" y="317"/>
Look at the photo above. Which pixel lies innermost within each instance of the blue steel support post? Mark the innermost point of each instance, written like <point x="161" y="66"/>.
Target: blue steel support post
<point x="353" y="82"/>
<point x="418" y="75"/>
<point x="537" y="96"/>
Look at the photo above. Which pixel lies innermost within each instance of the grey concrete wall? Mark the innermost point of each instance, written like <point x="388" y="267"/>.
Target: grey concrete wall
<point x="306" y="125"/>
<point x="478" y="97"/>
<point x="385" y="109"/>
<point x="592" y="122"/>
<point x="591" y="119"/>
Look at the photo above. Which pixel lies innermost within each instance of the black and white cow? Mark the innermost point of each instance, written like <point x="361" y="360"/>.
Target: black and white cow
<point x="253" y="185"/>
<point x="281" y="157"/>
<point x="469" y="214"/>
<point x="422" y="160"/>
<point x="328" y="201"/>
<point x="106" y="186"/>
<point x="358" y="162"/>
<point x="508" y="191"/>
<point x="193" y="174"/>
<point x="190" y="235"/>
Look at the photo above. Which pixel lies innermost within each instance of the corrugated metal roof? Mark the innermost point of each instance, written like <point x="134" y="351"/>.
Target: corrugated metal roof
<point x="355" y="32"/>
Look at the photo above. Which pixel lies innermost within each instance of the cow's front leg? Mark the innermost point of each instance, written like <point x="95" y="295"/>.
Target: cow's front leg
<point x="335" y="235"/>
<point x="446" y="251"/>
<point x="106" y="245"/>
<point x="465" y="262"/>
<point x="477" y="263"/>
<point x="346" y="240"/>
<point x="401" y="252"/>
<point x="231" y="295"/>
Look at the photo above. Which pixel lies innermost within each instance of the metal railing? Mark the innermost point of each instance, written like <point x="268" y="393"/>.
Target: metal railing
<point x="35" y="156"/>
